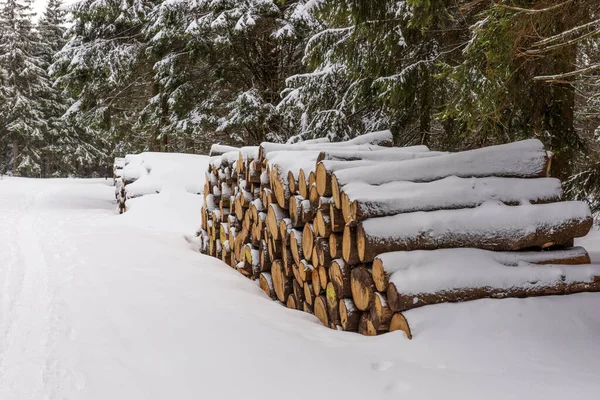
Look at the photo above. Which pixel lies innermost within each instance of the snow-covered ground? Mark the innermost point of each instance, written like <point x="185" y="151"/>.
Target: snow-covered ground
<point x="94" y="305"/>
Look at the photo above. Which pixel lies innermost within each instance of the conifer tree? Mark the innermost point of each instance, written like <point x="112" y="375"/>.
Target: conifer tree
<point x="22" y="122"/>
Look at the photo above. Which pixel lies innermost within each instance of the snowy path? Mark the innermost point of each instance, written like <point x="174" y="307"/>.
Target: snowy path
<point x="99" y="306"/>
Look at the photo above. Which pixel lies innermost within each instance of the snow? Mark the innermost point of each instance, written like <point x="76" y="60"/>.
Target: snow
<point x="451" y="192"/>
<point x="435" y="271"/>
<point x="157" y="172"/>
<point x="523" y="159"/>
<point x="96" y="305"/>
<point x="484" y="221"/>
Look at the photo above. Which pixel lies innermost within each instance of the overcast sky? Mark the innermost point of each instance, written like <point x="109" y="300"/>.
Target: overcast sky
<point x="39" y="5"/>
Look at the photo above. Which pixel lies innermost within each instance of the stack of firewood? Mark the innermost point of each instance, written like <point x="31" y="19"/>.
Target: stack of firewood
<point x="358" y="232"/>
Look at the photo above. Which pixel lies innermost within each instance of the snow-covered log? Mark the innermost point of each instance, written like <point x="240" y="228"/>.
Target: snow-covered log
<point x="525" y="159"/>
<point x="386" y="264"/>
<point x="483" y="277"/>
<point x="361" y="201"/>
<point x="329" y="162"/>
<point x="220" y="149"/>
<point x="489" y="227"/>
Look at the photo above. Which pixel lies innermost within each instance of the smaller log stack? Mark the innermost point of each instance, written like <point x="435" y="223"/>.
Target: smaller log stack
<point x="358" y="232"/>
<point x="118" y="183"/>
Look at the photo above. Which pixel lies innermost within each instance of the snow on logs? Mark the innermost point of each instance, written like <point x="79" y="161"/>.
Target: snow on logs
<point x="359" y="232"/>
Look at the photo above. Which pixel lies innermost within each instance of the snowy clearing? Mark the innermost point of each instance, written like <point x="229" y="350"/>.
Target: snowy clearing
<point x="100" y="306"/>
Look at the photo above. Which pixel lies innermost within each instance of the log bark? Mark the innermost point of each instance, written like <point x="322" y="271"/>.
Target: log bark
<point x="361" y="201"/>
<point x="362" y="287"/>
<point x="366" y="326"/>
<point x="307" y="211"/>
<point x="498" y="228"/>
<point x="349" y="315"/>
<point x="400" y="302"/>
<point x="298" y="290"/>
<point x="386" y="264"/>
<point x="336" y="217"/>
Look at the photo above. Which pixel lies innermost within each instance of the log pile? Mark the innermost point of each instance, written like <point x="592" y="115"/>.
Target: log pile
<point x="359" y="232"/>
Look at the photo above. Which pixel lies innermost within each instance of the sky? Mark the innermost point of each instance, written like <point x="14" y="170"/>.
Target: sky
<point x="39" y="5"/>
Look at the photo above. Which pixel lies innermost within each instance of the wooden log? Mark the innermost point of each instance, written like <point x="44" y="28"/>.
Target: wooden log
<point x="292" y="182"/>
<point x="313" y="197"/>
<point x="492" y="281"/>
<point x="280" y="188"/>
<point x="309" y="293"/>
<point x="399" y="323"/>
<point x="307" y="308"/>
<point x="333" y="301"/>
<point x="489" y="227"/>
<point x="308" y="237"/>
<point x="265" y="259"/>
<point x="281" y="283"/>
<point x="525" y="159"/>
<point x="370" y="141"/>
<point x="335" y="245"/>
<point x="339" y="275"/>
<point x="321" y="249"/>
<point x="381" y="314"/>
<point x="298" y="290"/>
<point x="295" y="211"/>
<point x="319" y="280"/>
<point x="361" y="201"/>
<point x="275" y="215"/>
<point x="349" y="315"/>
<point x="350" y="245"/>
<point x="320" y="308"/>
<point x="386" y="264"/>
<point x="305" y="270"/>
<point x="265" y="282"/>
<point x="322" y="224"/>
<point x="266" y="197"/>
<point x="296" y="245"/>
<point x="362" y="287"/>
<point x="336" y="218"/>
<point x="291" y="302"/>
<point x="366" y="326"/>
<point x="307" y="211"/>
<point x="274" y="248"/>
<point x="303" y="183"/>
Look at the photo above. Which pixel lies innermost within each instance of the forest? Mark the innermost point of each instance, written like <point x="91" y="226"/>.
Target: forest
<point x="102" y="78"/>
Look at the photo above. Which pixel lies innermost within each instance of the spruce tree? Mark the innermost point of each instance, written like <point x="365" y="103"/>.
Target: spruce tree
<point x="22" y="121"/>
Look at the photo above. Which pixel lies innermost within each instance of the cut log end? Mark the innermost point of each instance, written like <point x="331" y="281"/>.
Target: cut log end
<point x="399" y="323"/>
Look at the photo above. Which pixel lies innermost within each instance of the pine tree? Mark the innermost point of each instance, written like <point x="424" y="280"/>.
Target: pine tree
<point x="22" y="121"/>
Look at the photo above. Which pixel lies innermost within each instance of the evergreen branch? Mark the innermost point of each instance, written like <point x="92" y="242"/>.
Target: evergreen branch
<point x="567" y="74"/>
<point x="533" y="11"/>
<point x="565" y="33"/>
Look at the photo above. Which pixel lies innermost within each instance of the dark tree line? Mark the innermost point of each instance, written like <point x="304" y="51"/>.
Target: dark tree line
<point x="139" y="75"/>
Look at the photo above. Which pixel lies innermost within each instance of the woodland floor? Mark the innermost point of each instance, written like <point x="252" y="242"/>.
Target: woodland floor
<point x="94" y="305"/>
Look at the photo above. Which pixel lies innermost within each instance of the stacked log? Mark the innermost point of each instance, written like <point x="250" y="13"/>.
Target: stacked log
<point x="359" y="232"/>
